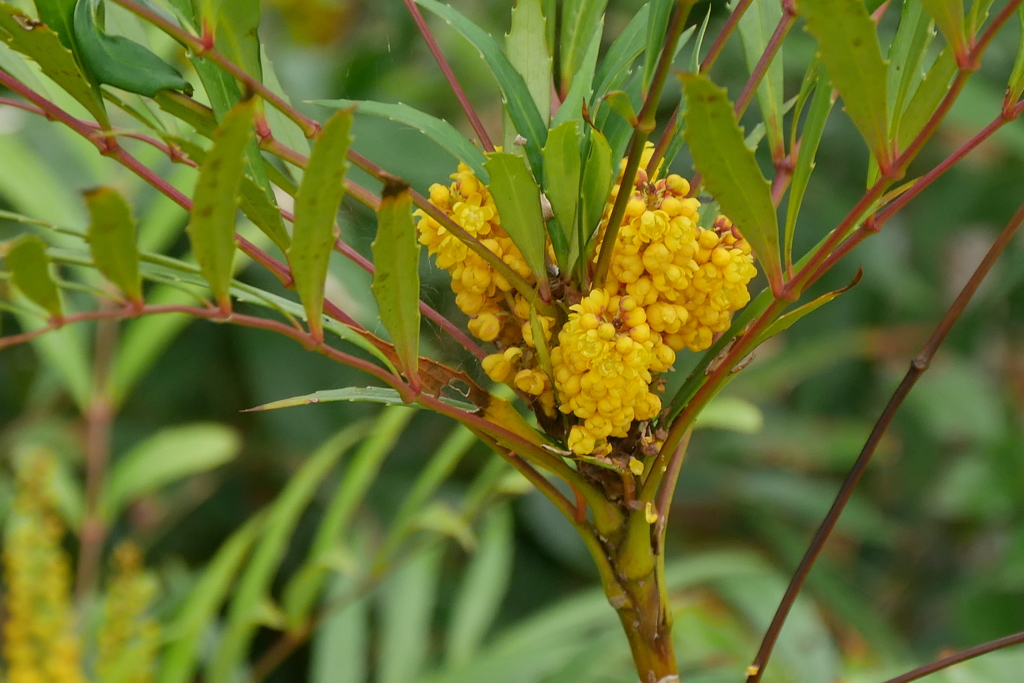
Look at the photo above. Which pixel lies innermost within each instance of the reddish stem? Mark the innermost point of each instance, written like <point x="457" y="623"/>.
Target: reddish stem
<point x="962" y="656"/>
<point x="917" y="368"/>
<point x="449" y="75"/>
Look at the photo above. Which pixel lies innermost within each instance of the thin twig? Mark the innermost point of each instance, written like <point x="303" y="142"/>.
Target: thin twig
<point x="962" y="656"/>
<point x="449" y="75"/>
<point x="917" y="368"/>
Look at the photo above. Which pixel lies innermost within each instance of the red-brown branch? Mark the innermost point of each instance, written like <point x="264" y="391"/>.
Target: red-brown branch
<point x="956" y="658"/>
<point x="449" y="75"/>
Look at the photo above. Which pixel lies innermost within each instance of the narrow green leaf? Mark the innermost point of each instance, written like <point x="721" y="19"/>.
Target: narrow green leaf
<point x="112" y="240"/>
<point x="699" y="44"/>
<point x="756" y="27"/>
<point x="482" y="589"/>
<point x="730" y="170"/>
<point x="949" y="16"/>
<point x="597" y="183"/>
<point x="120" y="62"/>
<point x="253" y="586"/>
<point x="515" y="93"/>
<point x="527" y="50"/>
<point x="29" y="266"/>
<point x="383" y="395"/>
<point x="849" y="49"/>
<point x="316" y="209"/>
<point x="304" y="587"/>
<point x="562" y="185"/>
<point x="615" y="66"/>
<point x="786" y="321"/>
<point x="396" y="280"/>
<point x="407" y="609"/>
<point x="188" y="110"/>
<point x="582" y="84"/>
<point x="814" y="127"/>
<point x="1016" y="84"/>
<point x="906" y="52"/>
<point x="166" y="457"/>
<point x="59" y="15"/>
<point x="657" y="24"/>
<point x="927" y="97"/>
<point x="38" y="42"/>
<point x="440" y="517"/>
<point x="340" y="643"/>
<point x="581" y="20"/>
<point x="517" y="197"/>
<point x="977" y="15"/>
<point x="438" y="130"/>
<point x="215" y="201"/>
<point x="188" y="630"/>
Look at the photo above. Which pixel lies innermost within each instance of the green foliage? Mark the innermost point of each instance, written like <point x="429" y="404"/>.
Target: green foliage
<point x="517" y="197"/>
<point x="756" y="27"/>
<point x="316" y="206"/>
<point x="730" y="170"/>
<point x="215" y="201"/>
<point x="117" y="61"/>
<point x="112" y="240"/>
<point x="396" y="281"/>
<point x="438" y="130"/>
<point x="562" y="162"/>
<point x="849" y="49"/>
<point x="527" y="49"/>
<point x="29" y="265"/>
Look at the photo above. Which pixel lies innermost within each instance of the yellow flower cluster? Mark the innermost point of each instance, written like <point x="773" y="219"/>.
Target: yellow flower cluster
<point x="671" y="284"/>
<point x="495" y="309"/>
<point x="40" y="643"/>
<point x="126" y="631"/>
<point x="603" y="364"/>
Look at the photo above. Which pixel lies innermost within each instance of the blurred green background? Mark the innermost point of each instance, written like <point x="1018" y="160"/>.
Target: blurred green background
<point x="930" y="553"/>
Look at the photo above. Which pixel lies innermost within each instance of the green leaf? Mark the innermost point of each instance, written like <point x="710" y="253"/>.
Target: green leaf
<point x="120" y="62"/>
<point x="438" y="130"/>
<point x="814" y="127"/>
<point x="562" y="186"/>
<point x="730" y="170"/>
<point x="482" y="588"/>
<point x="849" y="49"/>
<point x="304" y="587"/>
<point x="515" y="94"/>
<point x="905" y="55"/>
<point x="38" y="42"/>
<point x="112" y="240"/>
<point x="949" y="17"/>
<point x="384" y="395"/>
<point x="527" y="50"/>
<point x="581" y="21"/>
<point x="1016" y="84"/>
<point x="340" y="643"/>
<point x="257" y="207"/>
<point x="657" y="25"/>
<point x="621" y="103"/>
<point x="235" y="24"/>
<point x="517" y="197"/>
<point x="441" y="518"/>
<point x="927" y="97"/>
<point x="757" y="25"/>
<point x="59" y="15"/>
<point x="695" y="53"/>
<point x="215" y="201"/>
<point x="396" y="280"/>
<point x="166" y="457"/>
<point x="407" y="609"/>
<point x="29" y="266"/>
<point x="731" y="414"/>
<point x="188" y="631"/>
<point x="597" y="183"/>
<point x="253" y="586"/>
<point x="316" y="209"/>
<point x="582" y="84"/>
<point x="615" y="66"/>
